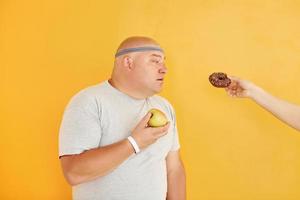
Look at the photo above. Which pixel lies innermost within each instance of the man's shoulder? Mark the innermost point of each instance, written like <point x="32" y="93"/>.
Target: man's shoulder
<point x="93" y="90"/>
<point x="88" y="94"/>
<point x="162" y="100"/>
<point x="159" y="98"/>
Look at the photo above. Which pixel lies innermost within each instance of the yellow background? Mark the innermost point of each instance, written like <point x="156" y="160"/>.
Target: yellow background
<point x="232" y="148"/>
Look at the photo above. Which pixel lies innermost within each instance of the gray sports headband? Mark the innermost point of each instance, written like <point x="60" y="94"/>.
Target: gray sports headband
<point x="137" y="49"/>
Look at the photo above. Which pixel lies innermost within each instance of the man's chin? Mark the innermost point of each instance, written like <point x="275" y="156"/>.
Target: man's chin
<point x="154" y="89"/>
<point x="157" y="90"/>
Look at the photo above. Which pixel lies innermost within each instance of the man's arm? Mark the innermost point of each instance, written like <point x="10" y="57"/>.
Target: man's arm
<point x="283" y="110"/>
<point x="176" y="177"/>
<point x="97" y="162"/>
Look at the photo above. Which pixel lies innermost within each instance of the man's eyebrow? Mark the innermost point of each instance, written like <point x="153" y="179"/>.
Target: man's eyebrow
<point x="156" y="55"/>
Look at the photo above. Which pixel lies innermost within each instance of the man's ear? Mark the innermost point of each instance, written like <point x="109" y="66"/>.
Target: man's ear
<point x="128" y="62"/>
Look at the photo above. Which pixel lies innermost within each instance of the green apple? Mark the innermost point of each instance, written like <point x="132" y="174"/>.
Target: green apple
<point x="157" y="119"/>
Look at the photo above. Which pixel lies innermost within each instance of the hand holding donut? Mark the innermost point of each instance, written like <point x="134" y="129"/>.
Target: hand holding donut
<point x="234" y="86"/>
<point x="241" y="88"/>
<point x="238" y="88"/>
<point x="281" y="109"/>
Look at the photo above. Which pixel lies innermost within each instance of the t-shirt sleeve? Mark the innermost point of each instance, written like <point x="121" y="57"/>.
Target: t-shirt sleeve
<point x="80" y="128"/>
<point x="175" y="144"/>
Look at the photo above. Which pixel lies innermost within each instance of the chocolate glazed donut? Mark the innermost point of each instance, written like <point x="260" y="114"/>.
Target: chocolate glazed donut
<point x="219" y="79"/>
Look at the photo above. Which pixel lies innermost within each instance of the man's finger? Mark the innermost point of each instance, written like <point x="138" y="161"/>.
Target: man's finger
<point x="160" y="134"/>
<point x="162" y="129"/>
<point x="146" y="118"/>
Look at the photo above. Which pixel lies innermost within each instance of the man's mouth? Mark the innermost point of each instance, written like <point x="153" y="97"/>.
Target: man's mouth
<point x="160" y="79"/>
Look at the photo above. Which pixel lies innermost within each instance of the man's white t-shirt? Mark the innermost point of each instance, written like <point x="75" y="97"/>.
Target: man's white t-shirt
<point x="101" y="115"/>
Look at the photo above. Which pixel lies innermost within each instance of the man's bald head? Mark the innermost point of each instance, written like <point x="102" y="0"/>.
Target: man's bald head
<point x="137" y="41"/>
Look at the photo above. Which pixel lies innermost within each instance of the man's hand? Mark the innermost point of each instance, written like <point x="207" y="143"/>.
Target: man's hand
<point x="145" y="135"/>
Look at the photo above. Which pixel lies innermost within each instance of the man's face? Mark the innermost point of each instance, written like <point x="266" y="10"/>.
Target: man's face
<point x="149" y="71"/>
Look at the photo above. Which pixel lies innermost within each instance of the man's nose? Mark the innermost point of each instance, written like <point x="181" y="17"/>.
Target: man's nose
<point x="163" y="69"/>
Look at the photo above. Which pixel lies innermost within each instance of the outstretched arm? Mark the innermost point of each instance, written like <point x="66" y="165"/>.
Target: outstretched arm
<point x="283" y="110"/>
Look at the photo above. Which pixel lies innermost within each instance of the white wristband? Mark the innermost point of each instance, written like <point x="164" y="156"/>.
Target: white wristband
<point x="134" y="144"/>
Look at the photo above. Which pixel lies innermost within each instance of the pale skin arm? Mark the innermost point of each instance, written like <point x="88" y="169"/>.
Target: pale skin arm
<point x="176" y="177"/>
<point x="283" y="110"/>
<point x="95" y="162"/>
<point x="98" y="162"/>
